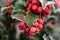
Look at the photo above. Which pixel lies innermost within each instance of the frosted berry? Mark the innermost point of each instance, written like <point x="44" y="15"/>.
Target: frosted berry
<point x="29" y="1"/>
<point x="24" y="26"/>
<point x="40" y="26"/>
<point x="47" y="11"/>
<point x="34" y="1"/>
<point x="35" y="24"/>
<point x="57" y="4"/>
<point x="29" y="5"/>
<point x="40" y="21"/>
<point x="32" y="33"/>
<point x="37" y="29"/>
<point x="33" y="29"/>
<point x="43" y="14"/>
<point x="34" y="7"/>
<point x="20" y="28"/>
<point x="27" y="29"/>
<point x="49" y="6"/>
<point x="22" y="23"/>
<point x="8" y="4"/>
<point x="27" y="10"/>
<point x="39" y="9"/>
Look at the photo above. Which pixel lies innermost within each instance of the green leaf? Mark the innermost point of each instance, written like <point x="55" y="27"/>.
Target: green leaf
<point x="22" y="13"/>
<point x="40" y="35"/>
<point x="24" y="0"/>
<point x="0" y="10"/>
<point x="52" y="18"/>
<point x="12" y="33"/>
<point x="49" y="30"/>
<point x="4" y="11"/>
<point x="30" y="18"/>
<point x="20" y="7"/>
<point x="6" y="19"/>
<point x="52" y="13"/>
<point x="0" y="36"/>
<point x="23" y="36"/>
<point x="11" y="8"/>
<point x="19" y="14"/>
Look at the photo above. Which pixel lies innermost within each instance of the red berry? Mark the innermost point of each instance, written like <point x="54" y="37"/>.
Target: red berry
<point x="32" y="33"/>
<point x="37" y="29"/>
<point x="33" y="29"/>
<point x="39" y="9"/>
<point x="29" y="5"/>
<point x="35" y="24"/>
<point x="48" y="26"/>
<point x="43" y="14"/>
<point x="10" y="12"/>
<point x="49" y="6"/>
<point x="57" y="4"/>
<point x="47" y="11"/>
<point x="24" y="26"/>
<point x="40" y="26"/>
<point x="20" y="28"/>
<point x="43" y="29"/>
<point x="40" y="21"/>
<point x="22" y="23"/>
<point x="27" y="33"/>
<point x="34" y="1"/>
<point x="27" y="10"/>
<point x="53" y="22"/>
<point x="27" y="29"/>
<point x="34" y="7"/>
<point x="30" y="1"/>
<point x="8" y="4"/>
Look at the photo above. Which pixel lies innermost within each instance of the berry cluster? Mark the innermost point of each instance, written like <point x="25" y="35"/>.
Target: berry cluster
<point x="36" y="7"/>
<point x="37" y="25"/>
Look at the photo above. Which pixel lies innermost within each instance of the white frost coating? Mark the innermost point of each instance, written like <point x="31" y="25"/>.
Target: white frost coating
<point x="3" y="8"/>
<point x="13" y="17"/>
<point x="41" y="2"/>
<point x="44" y="36"/>
<point x="51" y="37"/>
<point x="18" y="31"/>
